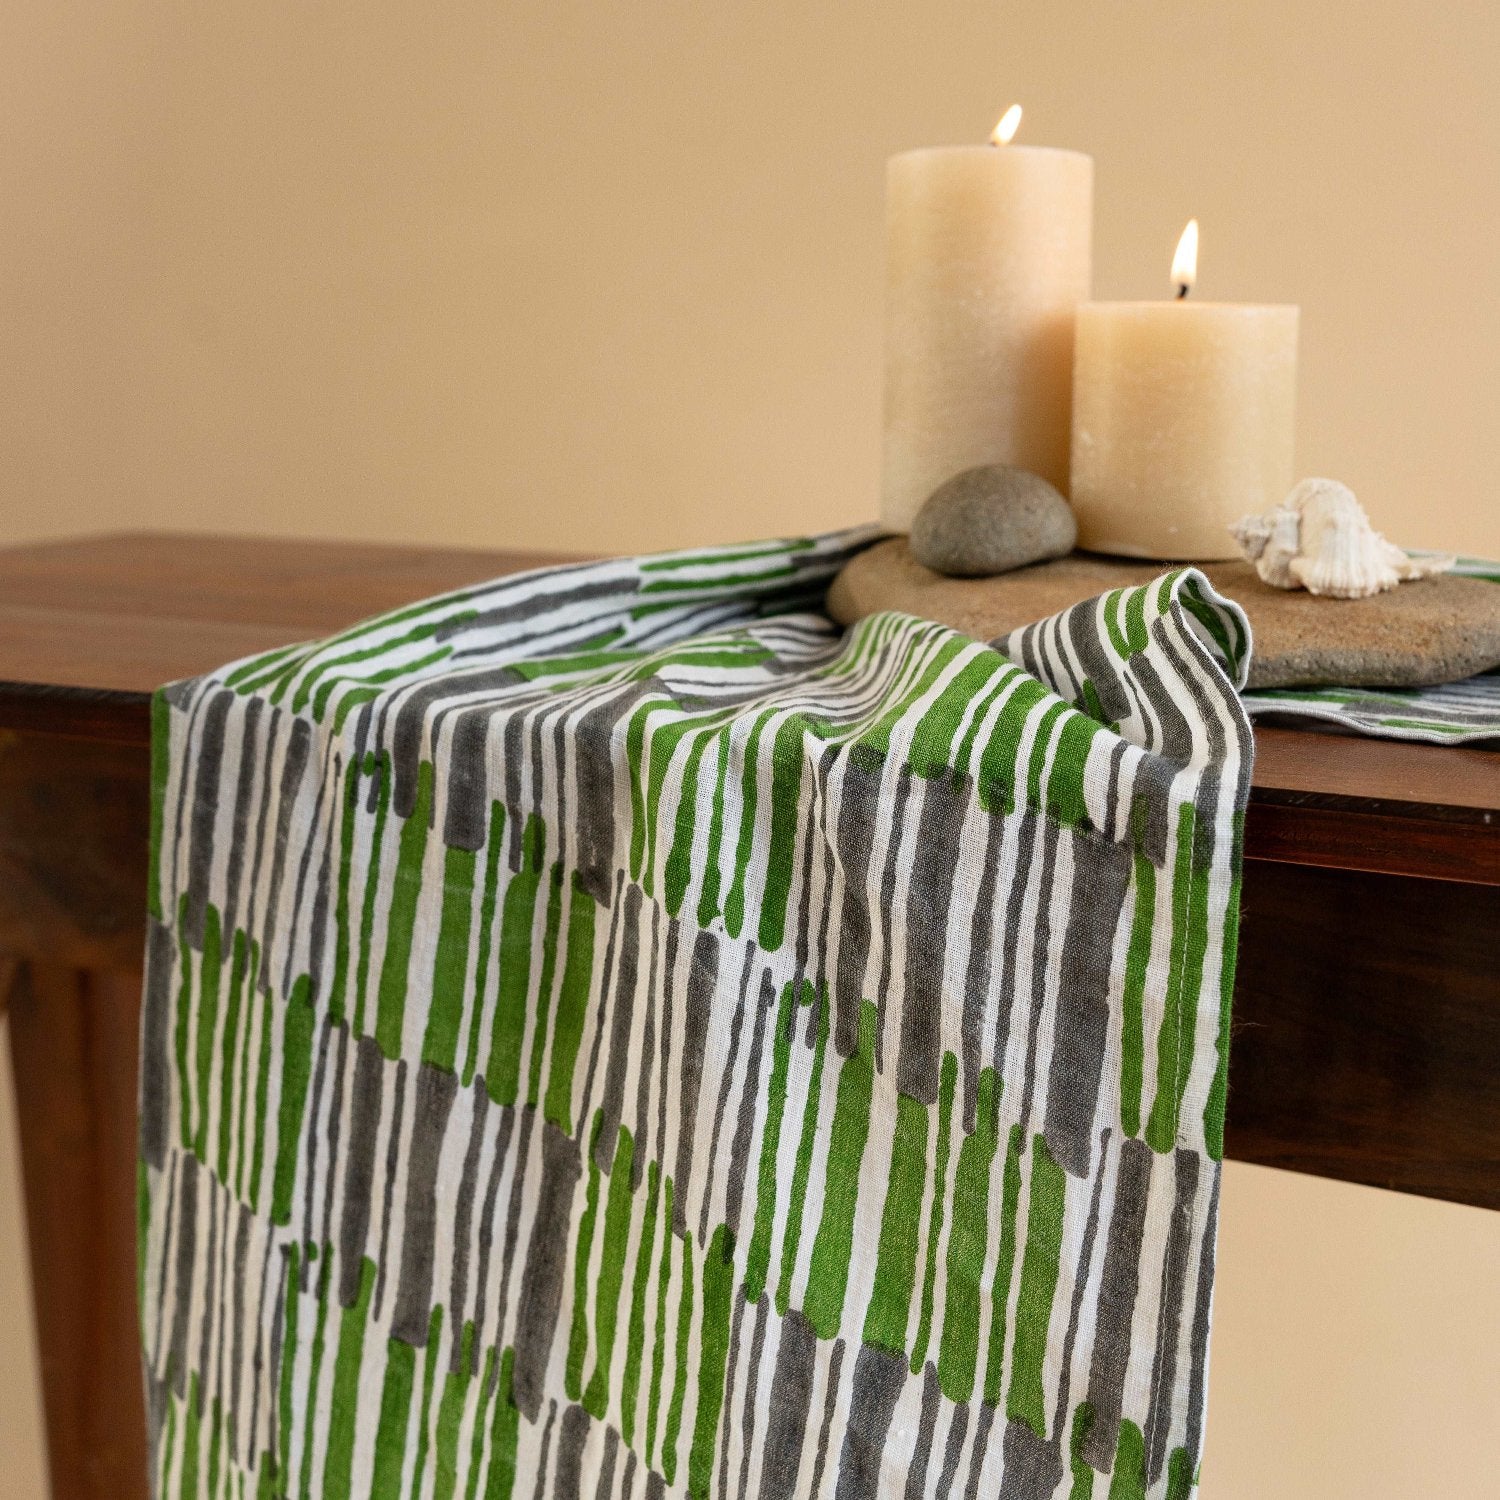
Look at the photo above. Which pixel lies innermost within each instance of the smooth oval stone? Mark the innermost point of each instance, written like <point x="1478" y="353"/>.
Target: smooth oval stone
<point x="1435" y="630"/>
<point x="992" y="519"/>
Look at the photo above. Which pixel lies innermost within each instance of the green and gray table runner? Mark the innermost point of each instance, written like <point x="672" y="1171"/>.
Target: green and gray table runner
<point x="610" y="1033"/>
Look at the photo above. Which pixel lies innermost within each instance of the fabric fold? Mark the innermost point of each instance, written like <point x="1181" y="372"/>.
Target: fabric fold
<point x="610" y="1031"/>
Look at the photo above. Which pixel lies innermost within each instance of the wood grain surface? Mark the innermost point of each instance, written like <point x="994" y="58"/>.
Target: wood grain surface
<point x="1366" y="1033"/>
<point x="73" y="1053"/>
<point x="89" y="628"/>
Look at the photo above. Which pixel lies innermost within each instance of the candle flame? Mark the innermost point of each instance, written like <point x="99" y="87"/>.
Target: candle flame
<point x="1005" y="132"/>
<point x="1185" y="261"/>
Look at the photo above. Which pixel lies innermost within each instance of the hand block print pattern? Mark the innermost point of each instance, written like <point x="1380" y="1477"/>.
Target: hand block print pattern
<point x="609" y="1033"/>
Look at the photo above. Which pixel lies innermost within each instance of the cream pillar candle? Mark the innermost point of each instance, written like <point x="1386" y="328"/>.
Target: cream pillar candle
<point x="1183" y="418"/>
<point x="988" y="252"/>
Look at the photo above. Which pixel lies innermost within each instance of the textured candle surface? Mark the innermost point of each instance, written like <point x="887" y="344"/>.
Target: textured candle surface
<point x="988" y="255"/>
<point x="1183" y="421"/>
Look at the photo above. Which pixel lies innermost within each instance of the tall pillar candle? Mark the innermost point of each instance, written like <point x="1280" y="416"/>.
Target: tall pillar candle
<point x="989" y="251"/>
<point x="1184" y="419"/>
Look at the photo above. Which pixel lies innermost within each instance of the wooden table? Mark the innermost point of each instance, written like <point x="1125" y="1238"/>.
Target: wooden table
<point x="1367" y="1011"/>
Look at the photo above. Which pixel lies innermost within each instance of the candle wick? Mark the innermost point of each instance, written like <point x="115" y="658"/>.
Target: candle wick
<point x="1182" y="290"/>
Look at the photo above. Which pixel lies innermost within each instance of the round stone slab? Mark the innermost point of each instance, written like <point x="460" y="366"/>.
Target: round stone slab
<point x="1435" y="630"/>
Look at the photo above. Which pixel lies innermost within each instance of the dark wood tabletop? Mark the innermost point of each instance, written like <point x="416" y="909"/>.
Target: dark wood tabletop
<point x="88" y="628"/>
<point x="1366" y="1034"/>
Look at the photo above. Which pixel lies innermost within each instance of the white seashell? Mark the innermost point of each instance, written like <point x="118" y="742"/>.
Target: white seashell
<point x="1270" y="542"/>
<point x="1320" y="539"/>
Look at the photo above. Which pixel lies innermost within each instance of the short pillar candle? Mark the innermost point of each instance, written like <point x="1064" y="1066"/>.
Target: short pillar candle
<point x="1184" y="418"/>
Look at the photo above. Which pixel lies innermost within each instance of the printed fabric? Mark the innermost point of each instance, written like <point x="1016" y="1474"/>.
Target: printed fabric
<point x="610" y="1032"/>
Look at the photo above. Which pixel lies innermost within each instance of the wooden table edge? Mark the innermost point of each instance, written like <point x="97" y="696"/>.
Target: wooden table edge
<point x="109" y="715"/>
<point x="1454" y="841"/>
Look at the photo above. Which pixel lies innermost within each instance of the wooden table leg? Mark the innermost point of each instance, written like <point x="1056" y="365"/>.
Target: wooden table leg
<point x="73" y="819"/>
<point x="73" y="1050"/>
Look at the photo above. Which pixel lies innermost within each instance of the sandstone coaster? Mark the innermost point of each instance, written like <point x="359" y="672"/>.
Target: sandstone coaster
<point x="1435" y="630"/>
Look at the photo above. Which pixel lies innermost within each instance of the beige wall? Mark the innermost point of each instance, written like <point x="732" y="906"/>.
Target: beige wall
<point x="610" y="273"/>
<point x="607" y="276"/>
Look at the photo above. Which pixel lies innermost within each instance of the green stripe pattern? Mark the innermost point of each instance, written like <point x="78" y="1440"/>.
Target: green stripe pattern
<point x="609" y="1031"/>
